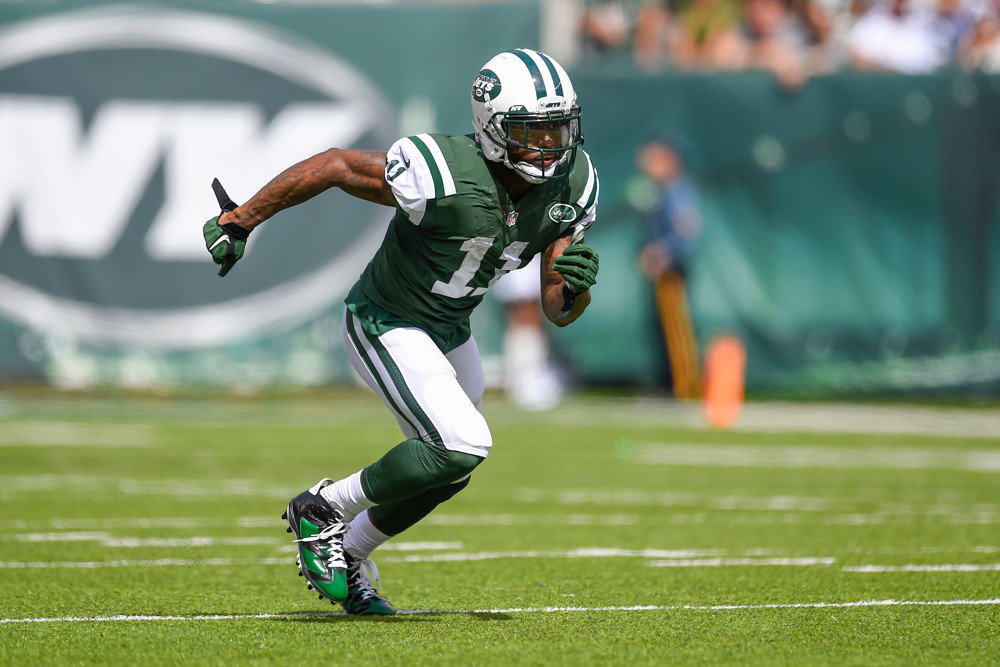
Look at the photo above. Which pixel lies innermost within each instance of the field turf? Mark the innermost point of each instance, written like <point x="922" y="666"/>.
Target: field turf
<point x="144" y="530"/>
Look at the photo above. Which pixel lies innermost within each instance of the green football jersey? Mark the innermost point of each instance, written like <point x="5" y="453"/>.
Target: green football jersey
<point x="456" y="231"/>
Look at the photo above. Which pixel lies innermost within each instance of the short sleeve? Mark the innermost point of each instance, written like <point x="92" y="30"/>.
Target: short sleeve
<point x="416" y="171"/>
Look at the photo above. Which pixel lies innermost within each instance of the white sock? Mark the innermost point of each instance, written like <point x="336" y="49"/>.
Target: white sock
<point x="348" y="495"/>
<point x="363" y="537"/>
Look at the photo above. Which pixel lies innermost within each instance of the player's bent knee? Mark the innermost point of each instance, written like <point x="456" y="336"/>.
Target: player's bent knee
<point x="443" y="493"/>
<point x="456" y="466"/>
<point x="471" y="436"/>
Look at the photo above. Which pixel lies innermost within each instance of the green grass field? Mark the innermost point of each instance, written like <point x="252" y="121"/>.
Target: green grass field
<point x="612" y="531"/>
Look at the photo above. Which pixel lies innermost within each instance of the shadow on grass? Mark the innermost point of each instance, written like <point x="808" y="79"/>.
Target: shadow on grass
<point x="402" y="616"/>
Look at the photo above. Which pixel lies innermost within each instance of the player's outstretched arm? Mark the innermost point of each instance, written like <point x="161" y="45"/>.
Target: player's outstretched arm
<point x="356" y="172"/>
<point x="568" y="272"/>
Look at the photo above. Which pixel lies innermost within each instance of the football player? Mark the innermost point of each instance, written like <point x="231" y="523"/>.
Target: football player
<point x="469" y="209"/>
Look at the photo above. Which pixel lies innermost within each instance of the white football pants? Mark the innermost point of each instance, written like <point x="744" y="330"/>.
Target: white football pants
<point x="435" y="397"/>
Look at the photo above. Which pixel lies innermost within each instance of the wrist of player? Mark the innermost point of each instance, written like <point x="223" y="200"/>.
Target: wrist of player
<point x="225" y="241"/>
<point x="578" y="266"/>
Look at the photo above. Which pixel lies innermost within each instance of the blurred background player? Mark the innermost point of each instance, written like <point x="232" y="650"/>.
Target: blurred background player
<point x="531" y="378"/>
<point x="674" y="223"/>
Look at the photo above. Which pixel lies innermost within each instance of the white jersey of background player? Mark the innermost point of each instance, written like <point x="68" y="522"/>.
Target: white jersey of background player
<point x="531" y="377"/>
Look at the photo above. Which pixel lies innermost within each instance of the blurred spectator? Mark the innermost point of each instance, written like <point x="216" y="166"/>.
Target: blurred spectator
<point x="773" y="38"/>
<point x="893" y="36"/>
<point x="608" y="26"/>
<point x="980" y="48"/>
<point x="950" y="24"/>
<point x="735" y="34"/>
<point x="794" y="38"/>
<point x="708" y="34"/>
<point x="531" y="379"/>
<point x="674" y="224"/>
<point x="825" y="26"/>
<point x="657" y="36"/>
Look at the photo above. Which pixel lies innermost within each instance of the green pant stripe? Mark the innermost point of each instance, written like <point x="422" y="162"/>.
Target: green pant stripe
<point x="351" y="319"/>
<point x="410" y="409"/>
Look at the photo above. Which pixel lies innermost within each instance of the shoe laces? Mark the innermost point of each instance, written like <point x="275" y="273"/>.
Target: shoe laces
<point x="357" y="575"/>
<point x="334" y="531"/>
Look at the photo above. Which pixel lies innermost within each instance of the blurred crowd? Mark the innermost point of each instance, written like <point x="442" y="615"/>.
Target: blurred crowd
<point x="796" y="38"/>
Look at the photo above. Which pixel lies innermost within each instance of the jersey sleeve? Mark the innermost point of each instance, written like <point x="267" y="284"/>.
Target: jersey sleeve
<point x="416" y="171"/>
<point x="589" y="190"/>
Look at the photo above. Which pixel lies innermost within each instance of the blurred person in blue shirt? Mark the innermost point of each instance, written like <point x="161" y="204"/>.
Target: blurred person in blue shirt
<point x="674" y="223"/>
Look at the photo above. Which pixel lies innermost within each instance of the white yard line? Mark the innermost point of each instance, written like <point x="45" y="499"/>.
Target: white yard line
<point x="443" y="519"/>
<point x="591" y="552"/>
<point x="771" y="417"/>
<point x="585" y="552"/>
<point x="74" y="434"/>
<point x="643" y="497"/>
<point x="17" y="485"/>
<point x="136" y="542"/>
<point x="816" y="456"/>
<point x="159" y="562"/>
<point x="736" y="562"/>
<point x="959" y="567"/>
<point x="523" y="610"/>
<point x="658" y="558"/>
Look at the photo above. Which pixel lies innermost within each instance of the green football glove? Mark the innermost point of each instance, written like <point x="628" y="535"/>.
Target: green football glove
<point x="226" y="242"/>
<point x="578" y="266"/>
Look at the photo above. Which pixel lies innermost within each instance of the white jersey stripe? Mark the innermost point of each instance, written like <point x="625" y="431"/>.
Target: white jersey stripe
<point x="589" y="197"/>
<point x="412" y="182"/>
<point x="448" y="181"/>
<point x="591" y="182"/>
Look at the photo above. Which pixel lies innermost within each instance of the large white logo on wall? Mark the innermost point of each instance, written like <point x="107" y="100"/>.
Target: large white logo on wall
<point x="73" y="177"/>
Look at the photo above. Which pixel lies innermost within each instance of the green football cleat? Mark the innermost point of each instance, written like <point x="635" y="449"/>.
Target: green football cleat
<point x="362" y="598"/>
<point x="319" y="533"/>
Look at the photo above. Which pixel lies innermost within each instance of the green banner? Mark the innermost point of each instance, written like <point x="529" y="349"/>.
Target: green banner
<point x="851" y="231"/>
<point x="114" y="119"/>
<point x="850" y="227"/>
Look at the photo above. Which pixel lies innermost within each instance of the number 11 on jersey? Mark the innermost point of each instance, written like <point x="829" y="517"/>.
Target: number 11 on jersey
<point x="475" y="250"/>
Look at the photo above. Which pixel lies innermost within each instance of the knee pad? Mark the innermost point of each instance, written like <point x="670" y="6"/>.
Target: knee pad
<point x="452" y="466"/>
<point x="412" y="467"/>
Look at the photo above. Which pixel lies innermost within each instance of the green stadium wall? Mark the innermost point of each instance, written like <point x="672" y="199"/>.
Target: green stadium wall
<point x="851" y="232"/>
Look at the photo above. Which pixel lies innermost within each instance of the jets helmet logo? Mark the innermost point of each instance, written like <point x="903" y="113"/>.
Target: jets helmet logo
<point x="486" y="87"/>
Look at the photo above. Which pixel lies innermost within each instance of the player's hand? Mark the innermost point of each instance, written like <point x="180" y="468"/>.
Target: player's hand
<point x="227" y="242"/>
<point x="578" y="266"/>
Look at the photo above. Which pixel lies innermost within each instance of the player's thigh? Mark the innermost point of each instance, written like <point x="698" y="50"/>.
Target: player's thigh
<point x="419" y="384"/>
<point x="468" y="367"/>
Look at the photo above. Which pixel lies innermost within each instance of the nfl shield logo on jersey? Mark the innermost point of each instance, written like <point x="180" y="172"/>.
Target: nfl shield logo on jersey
<point x="512" y="218"/>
